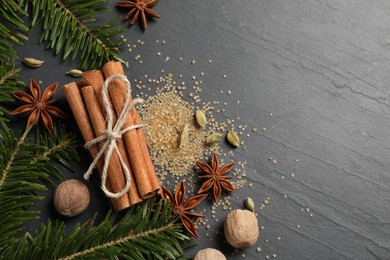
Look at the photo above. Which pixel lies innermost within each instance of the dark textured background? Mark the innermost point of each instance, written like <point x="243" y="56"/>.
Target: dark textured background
<point x="322" y="69"/>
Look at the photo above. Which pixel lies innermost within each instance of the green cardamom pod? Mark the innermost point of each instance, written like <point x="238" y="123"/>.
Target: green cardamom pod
<point x="75" y="73"/>
<point x="33" y="63"/>
<point x="249" y="204"/>
<point x="233" y="138"/>
<point x="200" y="118"/>
<point x="214" y="138"/>
<point x="184" y="136"/>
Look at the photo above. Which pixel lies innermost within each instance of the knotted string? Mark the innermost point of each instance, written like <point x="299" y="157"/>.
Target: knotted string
<point x="111" y="135"/>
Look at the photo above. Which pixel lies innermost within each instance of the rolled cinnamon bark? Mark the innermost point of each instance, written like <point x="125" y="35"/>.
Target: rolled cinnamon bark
<point x="76" y="103"/>
<point x="156" y="186"/>
<point x="82" y="83"/>
<point x="118" y="92"/>
<point x="95" y="79"/>
<point x="115" y="171"/>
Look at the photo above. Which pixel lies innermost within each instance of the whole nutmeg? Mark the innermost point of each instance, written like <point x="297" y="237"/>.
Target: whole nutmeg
<point x="241" y="228"/>
<point x="209" y="254"/>
<point x="71" y="198"/>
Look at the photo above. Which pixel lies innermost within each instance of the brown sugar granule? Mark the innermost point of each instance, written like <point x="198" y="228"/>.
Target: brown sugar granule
<point x="165" y="114"/>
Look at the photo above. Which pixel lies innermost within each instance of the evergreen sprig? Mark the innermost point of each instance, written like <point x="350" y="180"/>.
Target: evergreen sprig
<point x="24" y="170"/>
<point x="10" y="80"/>
<point x="140" y="234"/>
<point x="67" y="26"/>
<point x="11" y="28"/>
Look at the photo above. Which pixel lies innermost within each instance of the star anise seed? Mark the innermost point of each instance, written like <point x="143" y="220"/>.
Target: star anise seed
<point x="183" y="207"/>
<point x="214" y="176"/>
<point x="38" y="106"/>
<point x="139" y="7"/>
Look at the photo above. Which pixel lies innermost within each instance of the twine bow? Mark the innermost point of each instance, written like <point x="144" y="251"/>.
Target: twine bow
<point x="111" y="135"/>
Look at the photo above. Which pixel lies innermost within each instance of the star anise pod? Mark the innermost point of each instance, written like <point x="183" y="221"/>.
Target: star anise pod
<point x="183" y="207"/>
<point x="38" y="106"/>
<point x="139" y="7"/>
<point x="214" y="176"/>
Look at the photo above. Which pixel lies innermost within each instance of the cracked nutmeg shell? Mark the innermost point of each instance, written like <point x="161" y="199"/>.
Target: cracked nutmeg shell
<point x="71" y="198"/>
<point x="209" y="254"/>
<point x="241" y="228"/>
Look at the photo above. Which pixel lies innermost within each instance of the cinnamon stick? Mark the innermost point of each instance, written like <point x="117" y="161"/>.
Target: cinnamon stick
<point x="156" y="186"/>
<point x="118" y="92"/>
<point x="76" y="103"/>
<point x="154" y="181"/>
<point x="82" y="83"/>
<point x="95" y="79"/>
<point x="115" y="171"/>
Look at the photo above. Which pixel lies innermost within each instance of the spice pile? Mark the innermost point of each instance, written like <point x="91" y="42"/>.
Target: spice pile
<point x="165" y="114"/>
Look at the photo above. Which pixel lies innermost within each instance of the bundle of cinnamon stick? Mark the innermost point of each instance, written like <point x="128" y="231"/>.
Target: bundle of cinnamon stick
<point x="86" y="102"/>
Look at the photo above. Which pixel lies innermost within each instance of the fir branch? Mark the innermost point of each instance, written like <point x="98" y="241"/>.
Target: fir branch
<point x="140" y="234"/>
<point x="9" y="81"/>
<point x="67" y="27"/>
<point x="60" y="146"/>
<point x="12" y="156"/>
<point x="118" y="242"/>
<point x="11" y="28"/>
<point x="23" y="168"/>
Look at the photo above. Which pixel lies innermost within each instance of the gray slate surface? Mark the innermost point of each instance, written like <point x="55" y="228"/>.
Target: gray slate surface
<point x="322" y="69"/>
